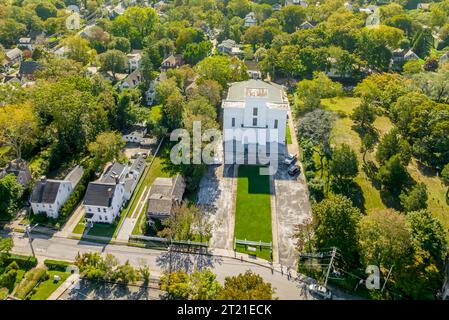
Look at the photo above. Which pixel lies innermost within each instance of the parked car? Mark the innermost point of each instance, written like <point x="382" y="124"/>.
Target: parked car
<point x="320" y="291"/>
<point x="293" y="170"/>
<point x="290" y="159"/>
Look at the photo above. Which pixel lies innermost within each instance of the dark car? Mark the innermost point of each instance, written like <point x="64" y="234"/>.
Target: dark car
<point x="293" y="170"/>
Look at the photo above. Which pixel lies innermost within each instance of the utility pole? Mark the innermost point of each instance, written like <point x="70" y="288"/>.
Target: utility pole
<point x="334" y="252"/>
<point x="388" y="276"/>
<point x="28" y="230"/>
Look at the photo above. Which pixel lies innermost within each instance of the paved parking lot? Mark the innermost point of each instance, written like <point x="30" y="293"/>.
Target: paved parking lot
<point x="292" y="208"/>
<point x="92" y="290"/>
<point x="133" y="148"/>
<point x="216" y="194"/>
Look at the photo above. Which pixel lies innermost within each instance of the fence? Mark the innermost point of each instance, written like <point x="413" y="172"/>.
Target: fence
<point x="167" y="242"/>
<point x="247" y="243"/>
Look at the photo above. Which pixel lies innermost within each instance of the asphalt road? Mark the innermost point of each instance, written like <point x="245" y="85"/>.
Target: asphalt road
<point x="158" y="261"/>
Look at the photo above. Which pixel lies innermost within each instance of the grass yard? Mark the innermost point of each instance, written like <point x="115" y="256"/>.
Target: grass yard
<point x="344" y="133"/>
<point x="47" y="287"/>
<point x="288" y="135"/>
<point x="253" y="209"/>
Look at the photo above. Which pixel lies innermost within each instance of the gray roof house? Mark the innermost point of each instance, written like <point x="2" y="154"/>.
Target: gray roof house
<point x="19" y="168"/>
<point x="165" y="195"/>
<point x="48" y="195"/>
<point x="228" y="46"/>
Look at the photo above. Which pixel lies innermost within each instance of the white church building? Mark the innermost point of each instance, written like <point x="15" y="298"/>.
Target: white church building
<point x="254" y="120"/>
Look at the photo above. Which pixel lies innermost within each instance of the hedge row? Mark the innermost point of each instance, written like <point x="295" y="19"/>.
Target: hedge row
<point x="77" y="195"/>
<point x="24" y="262"/>
<point x="57" y="265"/>
<point x="29" y="281"/>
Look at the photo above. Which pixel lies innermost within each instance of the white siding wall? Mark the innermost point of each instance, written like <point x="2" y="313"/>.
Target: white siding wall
<point x="108" y="214"/>
<point x="52" y="209"/>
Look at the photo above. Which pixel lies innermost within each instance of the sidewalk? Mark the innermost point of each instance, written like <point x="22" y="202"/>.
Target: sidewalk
<point x="69" y="282"/>
<point x="68" y="227"/>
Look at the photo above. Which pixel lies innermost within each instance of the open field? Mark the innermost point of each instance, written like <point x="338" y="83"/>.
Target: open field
<point x="253" y="209"/>
<point x="344" y="133"/>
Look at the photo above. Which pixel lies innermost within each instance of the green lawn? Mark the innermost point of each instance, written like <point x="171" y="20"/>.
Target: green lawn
<point x="47" y="287"/>
<point x="288" y="136"/>
<point x="344" y="133"/>
<point x="253" y="208"/>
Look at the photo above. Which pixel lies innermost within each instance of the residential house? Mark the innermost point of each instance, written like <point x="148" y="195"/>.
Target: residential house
<point x="26" y="43"/>
<point x="301" y="3"/>
<point x="135" y="134"/>
<point x="410" y="55"/>
<point x="27" y="70"/>
<point x="229" y="46"/>
<point x="254" y="119"/>
<point x="250" y="19"/>
<point x="106" y="197"/>
<point x="173" y="61"/>
<point x="444" y="58"/>
<point x="253" y="70"/>
<point x="307" y="25"/>
<point x="134" y="59"/>
<point x="348" y="6"/>
<point x="150" y="94"/>
<point x="131" y="81"/>
<point x="12" y="56"/>
<point x="20" y="169"/>
<point x="423" y="6"/>
<point x="276" y="7"/>
<point x="164" y="196"/>
<point x="61" y="52"/>
<point x="48" y="196"/>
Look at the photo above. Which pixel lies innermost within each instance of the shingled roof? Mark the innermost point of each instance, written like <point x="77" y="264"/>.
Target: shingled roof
<point x="99" y="194"/>
<point x="164" y="194"/>
<point x="45" y="191"/>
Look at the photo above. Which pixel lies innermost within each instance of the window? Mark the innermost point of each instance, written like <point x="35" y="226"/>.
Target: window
<point x="98" y="209"/>
<point x="254" y="111"/>
<point x="276" y="124"/>
<point x="254" y="121"/>
<point x="104" y="209"/>
<point x="100" y="217"/>
<point x="233" y="122"/>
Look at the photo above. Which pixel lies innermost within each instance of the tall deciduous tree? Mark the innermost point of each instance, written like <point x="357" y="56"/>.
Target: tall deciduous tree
<point x="335" y="223"/>
<point x="114" y="61"/>
<point x="18" y="127"/>
<point x="247" y="286"/>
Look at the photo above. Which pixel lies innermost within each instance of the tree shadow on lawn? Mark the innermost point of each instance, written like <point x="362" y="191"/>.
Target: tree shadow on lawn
<point x="391" y="199"/>
<point x="426" y="170"/>
<point x="353" y="191"/>
<point x="186" y="261"/>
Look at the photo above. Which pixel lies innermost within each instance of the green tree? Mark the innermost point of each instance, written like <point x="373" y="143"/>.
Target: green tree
<point x="11" y="193"/>
<point x="247" y="286"/>
<point x="367" y="146"/>
<point x="415" y="199"/>
<point x="222" y="69"/>
<point x="393" y="175"/>
<point x="106" y="147"/>
<point x="310" y="92"/>
<point x="293" y="17"/>
<point x="364" y="115"/>
<point x="120" y="43"/>
<point x="384" y="240"/>
<point x="239" y="7"/>
<point x="114" y="61"/>
<point x="176" y="284"/>
<point x="393" y="144"/>
<point x="78" y="49"/>
<point x="195" y="52"/>
<point x="344" y="165"/>
<point x="445" y="178"/>
<point x="204" y="285"/>
<point x="335" y="223"/>
<point x="46" y="10"/>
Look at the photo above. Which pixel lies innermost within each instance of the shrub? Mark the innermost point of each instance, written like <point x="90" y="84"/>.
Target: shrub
<point x="29" y="281"/>
<point x="8" y="279"/>
<point x="24" y="262"/>
<point x="56" y="265"/>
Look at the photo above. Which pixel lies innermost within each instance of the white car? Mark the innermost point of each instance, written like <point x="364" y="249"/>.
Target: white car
<point x="320" y="291"/>
<point x="290" y="159"/>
